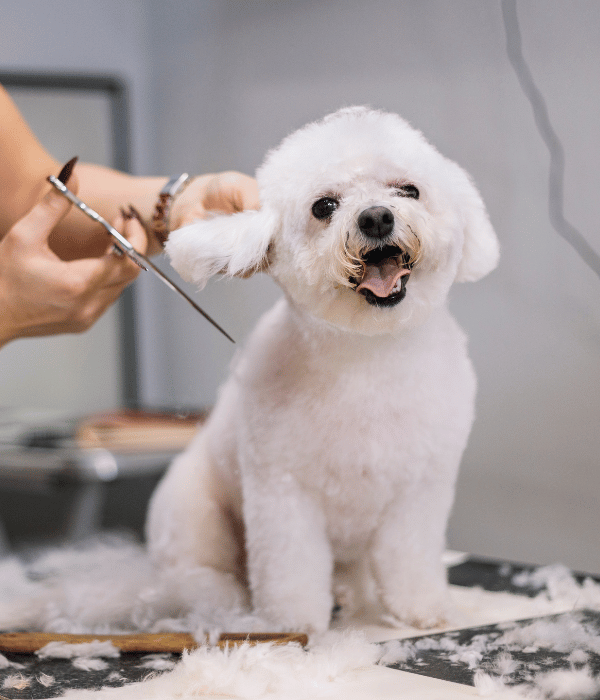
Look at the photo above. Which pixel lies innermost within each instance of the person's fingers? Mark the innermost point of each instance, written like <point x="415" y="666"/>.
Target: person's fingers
<point x="129" y="224"/>
<point x="231" y="191"/>
<point x="245" y="194"/>
<point x="113" y="272"/>
<point x="81" y="314"/>
<point x="224" y="193"/>
<point x="89" y="312"/>
<point x="37" y="224"/>
<point x="135" y="231"/>
<point x="82" y="290"/>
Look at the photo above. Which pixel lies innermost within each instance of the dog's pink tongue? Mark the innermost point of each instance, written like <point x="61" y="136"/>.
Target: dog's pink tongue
<point x="381" y="278"/>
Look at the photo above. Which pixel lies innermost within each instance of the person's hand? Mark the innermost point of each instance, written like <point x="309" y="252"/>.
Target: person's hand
<point x="226" y="192"/>
<point x="40" y="294"/>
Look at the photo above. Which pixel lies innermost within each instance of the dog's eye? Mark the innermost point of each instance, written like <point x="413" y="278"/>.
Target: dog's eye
<point x="323" y="208"/>
<point x="408" y="191"/>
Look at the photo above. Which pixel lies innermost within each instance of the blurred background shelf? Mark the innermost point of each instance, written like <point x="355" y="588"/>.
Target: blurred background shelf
<point x="70" y="479"/>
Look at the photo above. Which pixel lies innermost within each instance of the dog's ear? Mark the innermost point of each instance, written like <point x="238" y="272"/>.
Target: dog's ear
<point x="481" y="249"/>
<point x="233" y="244"/>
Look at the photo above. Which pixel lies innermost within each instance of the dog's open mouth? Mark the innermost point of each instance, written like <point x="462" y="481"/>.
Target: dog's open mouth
<point x="386" y="271"/>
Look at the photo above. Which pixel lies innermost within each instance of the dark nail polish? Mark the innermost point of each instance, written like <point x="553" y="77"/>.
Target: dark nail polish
<point x="134" y="213"/>
<point x="67" y="170"/>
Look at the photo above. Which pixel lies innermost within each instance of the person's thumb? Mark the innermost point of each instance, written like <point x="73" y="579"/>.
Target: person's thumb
<point x="37" y="224"/>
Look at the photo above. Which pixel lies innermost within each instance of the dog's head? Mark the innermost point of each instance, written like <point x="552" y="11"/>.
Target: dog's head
<point x="363" y="224"/>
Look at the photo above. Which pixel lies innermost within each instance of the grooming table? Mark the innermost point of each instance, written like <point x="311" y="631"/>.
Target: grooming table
<point x="432" y="673"/>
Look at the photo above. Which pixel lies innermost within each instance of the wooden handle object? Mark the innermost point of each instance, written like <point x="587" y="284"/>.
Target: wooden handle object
<point x="169" y="642"/>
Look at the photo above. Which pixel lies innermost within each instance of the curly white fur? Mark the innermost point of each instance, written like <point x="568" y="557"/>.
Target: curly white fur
<point x="335" y="443"/>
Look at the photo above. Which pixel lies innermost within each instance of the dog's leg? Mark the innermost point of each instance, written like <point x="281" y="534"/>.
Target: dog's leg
<point x="407" y="556"/>
<point x="290" y="564"/>
<point x="189" y="529"/>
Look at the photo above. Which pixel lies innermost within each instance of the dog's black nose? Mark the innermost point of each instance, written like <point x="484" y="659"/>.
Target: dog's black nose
<point x="376" y="222"/>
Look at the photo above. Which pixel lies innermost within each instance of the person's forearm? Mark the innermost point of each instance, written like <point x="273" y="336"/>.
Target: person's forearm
<point x="106" y="191"/>
<point x="24" y="167"/>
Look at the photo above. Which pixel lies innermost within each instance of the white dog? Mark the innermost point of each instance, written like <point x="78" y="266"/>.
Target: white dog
<point x="335" y="443"/>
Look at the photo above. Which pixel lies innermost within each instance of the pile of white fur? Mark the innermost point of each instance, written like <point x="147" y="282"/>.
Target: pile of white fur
<point x="262" y="671"/>
<point x="111" y="586"/>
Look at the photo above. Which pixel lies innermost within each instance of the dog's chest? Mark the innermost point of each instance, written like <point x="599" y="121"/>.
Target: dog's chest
<point x="349" y="440"/>
<point x="356" y="418"/>
<point x="353" y="424"/>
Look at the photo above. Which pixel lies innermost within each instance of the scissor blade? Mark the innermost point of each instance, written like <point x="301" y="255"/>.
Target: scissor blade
<point x="161" y="275"/>
<point x="125" y="246"/>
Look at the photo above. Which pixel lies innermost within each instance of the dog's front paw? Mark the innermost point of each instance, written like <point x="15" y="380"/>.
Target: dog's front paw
<point x="423" y="614"/>
<point x="312" y="617"/>
<point x="311" y="625"/>
<point x="424" y="621"/>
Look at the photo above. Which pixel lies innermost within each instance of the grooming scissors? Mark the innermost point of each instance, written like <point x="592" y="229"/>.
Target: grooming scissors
<point x="123" y="245"/>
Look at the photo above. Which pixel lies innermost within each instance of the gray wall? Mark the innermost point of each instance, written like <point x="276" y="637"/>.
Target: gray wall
<point x="216" y="83"/>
